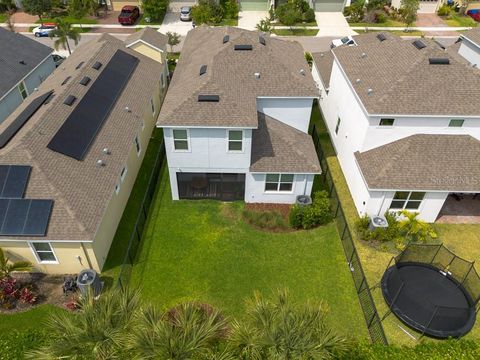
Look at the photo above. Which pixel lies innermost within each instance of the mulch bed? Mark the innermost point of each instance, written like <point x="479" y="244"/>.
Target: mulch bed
<point x="283" y="209"/>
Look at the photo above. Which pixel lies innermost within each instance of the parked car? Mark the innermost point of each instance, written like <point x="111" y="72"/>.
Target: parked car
<point x="186" y="13"/>
<point x="44" y="30"/>
<point x="58" y="59"/>
<point x="129" y="15"/>
<point x="474" y="14"/>
<point x="347" y="40"/>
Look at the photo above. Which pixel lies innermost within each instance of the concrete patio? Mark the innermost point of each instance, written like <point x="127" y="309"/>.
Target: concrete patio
<point x="464" y="210"/>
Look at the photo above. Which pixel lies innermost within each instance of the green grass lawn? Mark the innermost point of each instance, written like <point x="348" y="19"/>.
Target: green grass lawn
<point x="459" y="20"/>
<point x="311" y="23"/>
<point x="203" y="250"/>
<point x="70" y="19"/>
<point x="3" y="17"/>
<point x="388" y="23"/>
<point x="295" y="32"/>
<point x="228" y="22"/>
<point x="464" y="239"/>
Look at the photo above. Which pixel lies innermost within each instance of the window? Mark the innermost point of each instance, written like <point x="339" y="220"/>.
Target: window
<point x="153" y="106"/>
<point x="44" y="253"/>
<point x="123" y="174"/>
<point x="386" y="122"/>
<point x="180" y="139"/>
<point x="407" y="200"/>
<point x="456" y="123"/>
<point x="337" y="127"/>
<point x="235" y="140"/>
<point x="137" y="145"/>
<point x="117" y="189"/>
<point x="23" y="90"/>
<point x="162" y="81"/>
<point x="279" y="182"/>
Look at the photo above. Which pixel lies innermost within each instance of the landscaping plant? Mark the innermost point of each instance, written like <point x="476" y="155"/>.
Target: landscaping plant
<point x="154" y="9"/>
<point x="264" y="26"/>
<point x="7" y="266"/>
<point x="307" y="217"/>
<point x="414" y="229"/>
<point x="207" y="12"/>
<point x="294" y="11"/>
<point x="269" y="220"/>
<point x="63" y="33"/>
<point x="409" y="10"/>
<point x="37" y="7"/>
<point x="173" y="39"/>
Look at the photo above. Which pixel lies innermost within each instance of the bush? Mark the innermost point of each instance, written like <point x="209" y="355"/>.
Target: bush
<point x="380" y="17"/>
<point x="391" y="233"/>
<point x="207" y="12"/>
<point x="270" y="220"/>
<point x="376" y="4"/>
<point x="231" y="9"/>
<point x="357" y="12"/>
<point x="294" y="11"/>
<point x="309" y="16"/>
<point x="154" y="9"/>
<point x="444" y="10"/>
<point x="14" y="344"/>
<point x="307" y="217"/>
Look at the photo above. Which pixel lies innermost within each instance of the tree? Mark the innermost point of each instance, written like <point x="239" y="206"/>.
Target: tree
<point x="63" y="32"/>
<point x="77" y="9"/>
<point x="409" y="11"/>
<point x="415" y="229"/>
<point x="99" y="332"/>
<point x="7" y="266"/>
<point x="189" y="331"/>
<point x="282" y="330"/>
<point x="37" y="7"/>
<point x="207" y="12"/>
<point x="154" y="9"/>
<point x="173" y="39"/>
<point x="264" y="26"/>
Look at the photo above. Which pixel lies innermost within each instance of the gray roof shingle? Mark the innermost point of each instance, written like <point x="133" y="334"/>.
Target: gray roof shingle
<point x="16" y="48"/>
<point x="230" y="74"/>
<point x="278" y="147"/>
<point x="150" y="36"/>
<point x="473" y="35"/>
<point x="423" y="162"/>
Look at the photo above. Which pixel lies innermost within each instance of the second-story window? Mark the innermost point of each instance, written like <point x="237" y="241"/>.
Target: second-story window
<point x="235" y="140"/>
<point x="456" y="123"/>
<point x="23" y="90"/>
<point x="138" y="146"/>
<point x="153" y="107"/>
<point x="180" y="139"/>
<point x="338" y="126"/>
<point x="386" y="122"/>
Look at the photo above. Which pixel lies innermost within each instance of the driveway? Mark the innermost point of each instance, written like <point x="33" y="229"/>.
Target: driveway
<point x="332" y="24"/>
<point x="248" y="20"/>
<point x="171" y="21"/>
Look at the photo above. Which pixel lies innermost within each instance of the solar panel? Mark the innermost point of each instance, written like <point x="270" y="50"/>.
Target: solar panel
<point x="203" y="69"/>
<point x="419" y="44"/>
<point x="24" y="217"/>
<point x="381" y="37"/>
<point x="208" y="98"/>
<point x="22" y="118"/>
<point x="243" y="47"/>
<point x="226" y="38"/>
<point x="85" y="80"/>
<point x="13" y="180"/>
<point x="261" y="40"/>
<point x="439" y="61"/>
<point x="97" y="65"/>
<point x="78" y="132"/>
<point x="69" y="100"/>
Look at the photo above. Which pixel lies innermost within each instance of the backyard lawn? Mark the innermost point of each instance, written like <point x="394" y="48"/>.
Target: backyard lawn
<point x="202" y="250"/>
<point x="463" y="239"/>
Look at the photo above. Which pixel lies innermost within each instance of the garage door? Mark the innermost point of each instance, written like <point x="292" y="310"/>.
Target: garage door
<point x="329" y="6"/>
<point x="254" y="5"/>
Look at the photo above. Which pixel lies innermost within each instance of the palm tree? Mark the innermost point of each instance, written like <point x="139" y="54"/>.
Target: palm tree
<point x="282" y="330"/>
<point x="7" y="266"/>
<point x="63" y="32"/>
<point x="98" y="332"/>
<point x="415" y="229"/>
<point x="189" y="331"/>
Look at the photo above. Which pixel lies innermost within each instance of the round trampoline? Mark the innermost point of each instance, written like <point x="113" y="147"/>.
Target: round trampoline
<point x="428" y="296"/>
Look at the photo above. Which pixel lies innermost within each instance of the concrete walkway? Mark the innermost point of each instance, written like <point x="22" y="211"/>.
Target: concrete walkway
<point x="333" y="24"/>
<point x="248" y="20"/>
<point x="171" y="22"/>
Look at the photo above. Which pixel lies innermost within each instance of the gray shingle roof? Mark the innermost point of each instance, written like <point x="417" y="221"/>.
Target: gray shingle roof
<point x="150" y="36"/>
<point x="230" y="74"/>
<point x="13" y="49"/>
<point x="423" y="162"/>
<point x="404" y="83"/>
<point x="472" y="35"/>
<point x="81" y="190"/>
<point x="277" y="147"/>
<point x="324" y="62"/>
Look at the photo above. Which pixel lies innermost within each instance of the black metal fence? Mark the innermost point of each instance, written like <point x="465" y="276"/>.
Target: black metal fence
<point x="372" y="318"/>
<point x="139" y="227"/>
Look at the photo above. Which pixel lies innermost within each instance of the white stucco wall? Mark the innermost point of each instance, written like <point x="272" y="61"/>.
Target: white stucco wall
<point x="255" y="189"/>
<point x="470" y="52"/>
<point x="291" y="111"/>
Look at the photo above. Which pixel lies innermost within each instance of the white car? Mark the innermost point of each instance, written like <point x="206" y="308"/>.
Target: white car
<point x="347" y="40"/>
<point x="44" y="30"/>
<point x="186" y="13"/>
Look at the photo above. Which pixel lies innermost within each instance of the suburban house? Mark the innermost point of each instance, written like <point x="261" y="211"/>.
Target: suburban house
<point x="470" y="46"/>
<point x="404" y="119"/>
<point x="236" y="117"/>
<point x="70" y="153"/>
<point x="24" y="65"/>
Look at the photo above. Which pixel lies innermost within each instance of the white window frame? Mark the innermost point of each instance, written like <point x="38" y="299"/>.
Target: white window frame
<point x="138" y="145"/>
<point x="242" y="141"/>
<point x="117" y="189"/>
<point x="406" y="201"/>
<point x="24" y="88"/>
<point x="188" y="140"/>
<point x="123" y="174"/>
<point x="162" y="80"/>
<point x="337" y="125"/>
<point x="34" y="251"/>
<point x="278" y="191"/>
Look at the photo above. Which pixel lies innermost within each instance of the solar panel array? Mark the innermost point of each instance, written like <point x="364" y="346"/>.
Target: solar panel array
<point x="13" y="180"/>
<point x="78" y="132"/>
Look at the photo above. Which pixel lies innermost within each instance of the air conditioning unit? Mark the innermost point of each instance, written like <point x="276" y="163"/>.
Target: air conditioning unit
<point x="377" y="222"/>
<point x="89" y="279"/>
<point x="303" y="200"/>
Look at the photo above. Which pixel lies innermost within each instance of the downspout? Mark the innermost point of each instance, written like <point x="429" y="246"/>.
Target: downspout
<point x="86" y="256"/>
<point x="381" y="205"/>
<point x="305" y="187"/>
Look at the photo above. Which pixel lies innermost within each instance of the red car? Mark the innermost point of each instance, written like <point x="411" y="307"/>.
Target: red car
<point x="474" y="14"/>
<point x="129" y="15"/>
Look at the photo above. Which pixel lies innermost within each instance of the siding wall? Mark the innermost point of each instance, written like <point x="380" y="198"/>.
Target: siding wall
<point x="291" y="111"/>
<point x="470" y="52"/>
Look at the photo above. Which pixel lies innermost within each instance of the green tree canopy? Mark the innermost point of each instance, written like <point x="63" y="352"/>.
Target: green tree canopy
<point x="62" y="33"/>
<point x="409" y="11"/>
<point x="37" y="7"/>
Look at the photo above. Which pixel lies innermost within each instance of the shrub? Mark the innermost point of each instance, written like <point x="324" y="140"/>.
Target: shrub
<point x="11" y="293"/>
<point x="376" y="4"/>
<point x="294" y="11"/>
<point x="391" y="233"/>
<point x="14" y="343"/>
<point x="357" y="12"/>
<point x="154" y="9"/>
<point x="347" y="11"/>
<point x="444" y="10"/>
<point x="270" y="220"/>
<point x="309" y="15"/>
<point x="231" y="9"/>
<point x="380" y="17"/>
<point x="307" y="217"/>
<point x="207" y="12"/>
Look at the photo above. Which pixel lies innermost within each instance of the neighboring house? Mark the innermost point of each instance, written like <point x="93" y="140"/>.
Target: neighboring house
<point x="236" y="117"/>
<point x="470" y="46"/>
<point x="70" y="153"/>
<point x="425" y="6"/>
<point x="24" y="65"/>
<point x="404" y="119"/>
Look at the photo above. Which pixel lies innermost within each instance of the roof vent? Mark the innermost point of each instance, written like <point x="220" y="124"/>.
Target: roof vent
<point x="69" y="100"/>
<point x="79" y="65"/>
<point x="322" y="55"/>
<point x="100" y="163"/>
<point x="358" y="81"/>
<point x="106" y="151"/>
<point x="302" y="72"/>
<point x="66" y="80"/>
<point x="203" y="69"/>
<point x="243" y="47"/>
<point x="226" y="38"/>
<point x="208" y="98"/>
<point x="439" y="61"/>
<point x="97" y="65"/>
<point x="419" y="44"/>
<point x="370" y="91"/>
<point x="381" y="37"/>
<point x="261" y="40"/>
<point x="85" y="80"/>
<point x="22" y="62"/>
<point x="257" y="75"/>
<point x="127" y="109"/>
<point x="364" y="55"/>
